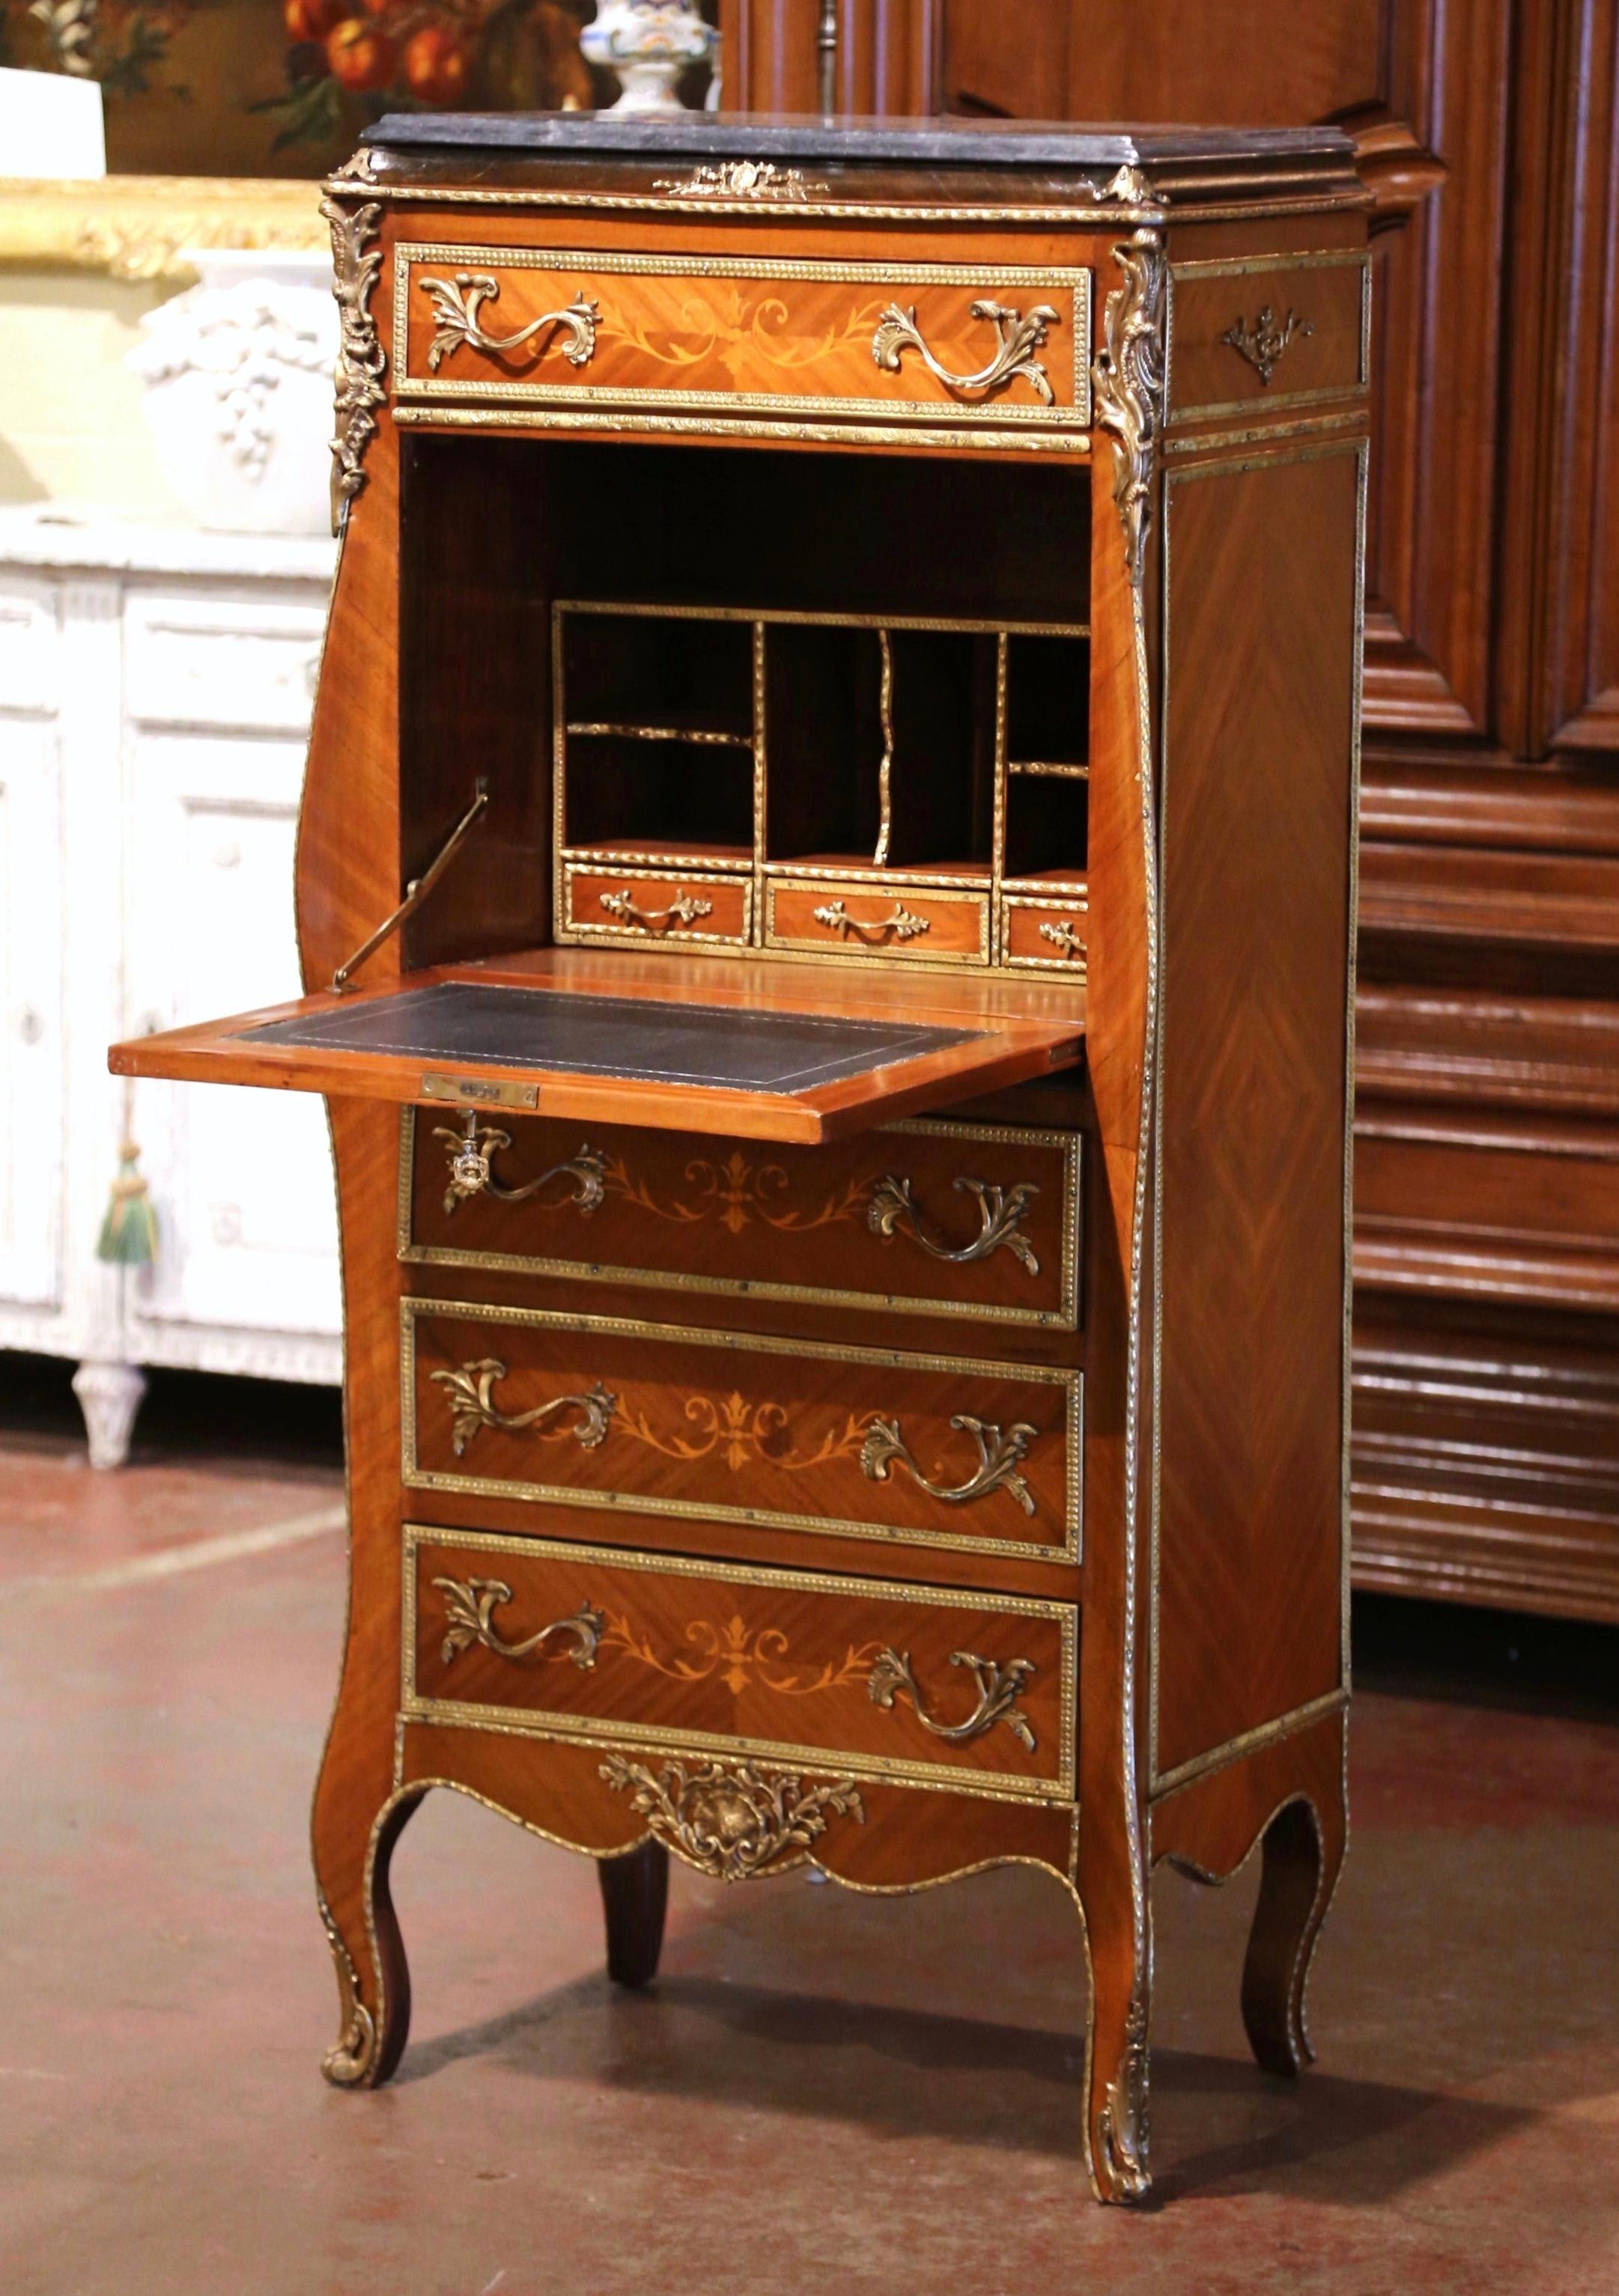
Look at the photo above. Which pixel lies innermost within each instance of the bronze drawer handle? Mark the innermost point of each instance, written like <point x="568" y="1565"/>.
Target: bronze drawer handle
<point x="469" y="1608"/>
<point x="470" y="1394"/>
<point x="732" y="1819"/>
<point x="999" y="1687"/>
<point x="1019" y="337"/>
<point x="1000" y="1454"/>
<point x="1064" y="936"/>
<point x="1265" y="343"/>
<point x="903" y="926"/>
<point x="685" y="911"/>
<point x="999" y="1211"/>
<point x="470" y="1155"/>
<point x="456" y="304"/>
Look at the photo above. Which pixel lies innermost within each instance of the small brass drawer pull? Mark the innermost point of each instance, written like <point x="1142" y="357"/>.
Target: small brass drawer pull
<point x="457" y="302"/>
<point x="470" y="1394"/>
<point x="732" y="1820"/>
<point x="999" y="1211"/>
<point x="901" y="924"/>
<point x="685" y="911"/>
<point x="1019" y="339"/>
<point x="1064" y="936"/>
<point x="469" y="1608"/>
<point x="1265" y="343"/>
<point x="470" y="1154"/>
<point x="1000" y="1454"/>
<point x="1000" y="1688"/>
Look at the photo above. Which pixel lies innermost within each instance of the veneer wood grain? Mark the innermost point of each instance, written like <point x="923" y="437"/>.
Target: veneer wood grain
<point x="885" y="1500"/>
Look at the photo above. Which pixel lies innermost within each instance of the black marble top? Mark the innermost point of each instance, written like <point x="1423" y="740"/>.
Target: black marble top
<point x="755" y="136"/>
<point x="459" y="1024"/>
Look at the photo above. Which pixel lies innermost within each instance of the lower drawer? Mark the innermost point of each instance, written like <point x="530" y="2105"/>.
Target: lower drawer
<point x="927" y="1686"/>
<point x="601" y="1410"/>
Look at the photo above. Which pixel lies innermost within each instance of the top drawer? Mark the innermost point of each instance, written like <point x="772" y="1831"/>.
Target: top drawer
<point x="978" y="343"/>
<point x="1261" y="332"/>
<point x="947" y="1219"/>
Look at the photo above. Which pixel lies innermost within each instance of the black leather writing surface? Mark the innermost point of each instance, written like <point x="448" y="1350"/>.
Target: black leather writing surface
<point x="461" y="1023"/>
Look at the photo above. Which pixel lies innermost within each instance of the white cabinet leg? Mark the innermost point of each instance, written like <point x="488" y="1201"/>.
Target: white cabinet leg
<point x="109" y="1394"/>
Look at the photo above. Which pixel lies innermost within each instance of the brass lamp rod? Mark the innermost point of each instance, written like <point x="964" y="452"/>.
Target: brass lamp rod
<point x="826" y="47"/>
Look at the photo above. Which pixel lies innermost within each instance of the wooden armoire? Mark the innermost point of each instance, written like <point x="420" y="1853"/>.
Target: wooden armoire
<point x="1487" y="1189"/>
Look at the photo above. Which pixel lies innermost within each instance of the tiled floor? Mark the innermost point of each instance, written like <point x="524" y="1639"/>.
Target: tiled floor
<point x="825" y="2091"/>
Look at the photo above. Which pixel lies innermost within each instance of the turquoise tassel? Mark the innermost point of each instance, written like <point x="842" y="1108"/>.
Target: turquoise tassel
<point x="129" y="1233"/>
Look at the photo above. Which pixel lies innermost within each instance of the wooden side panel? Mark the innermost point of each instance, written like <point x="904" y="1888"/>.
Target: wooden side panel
<point x="1256" y="808"/>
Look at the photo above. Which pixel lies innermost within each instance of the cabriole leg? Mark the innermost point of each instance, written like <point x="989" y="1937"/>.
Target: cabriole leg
<point x="1300" y="1873"/>
<point x="1121" y="1992"/>
<point x="372" y="1974"/>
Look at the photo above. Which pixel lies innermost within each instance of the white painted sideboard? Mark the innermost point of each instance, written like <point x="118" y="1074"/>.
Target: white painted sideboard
<point x="155" y="687"/>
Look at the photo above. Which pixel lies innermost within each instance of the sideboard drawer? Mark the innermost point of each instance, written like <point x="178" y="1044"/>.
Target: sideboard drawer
<point x="1004" y="343"/>
<point x="1265" y="331"/>
<point x="957" y="1220"/>
<point x="195" y="659"/>
<point x="852" y="1442"/>
<point x="859" y="918"/>
<point x="639" y="904"/>
<point x="881" y="1680"/>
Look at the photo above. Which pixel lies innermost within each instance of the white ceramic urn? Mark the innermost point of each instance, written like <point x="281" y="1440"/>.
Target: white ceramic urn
<point x="648" y="44"/>
<point x="238" y="374"/>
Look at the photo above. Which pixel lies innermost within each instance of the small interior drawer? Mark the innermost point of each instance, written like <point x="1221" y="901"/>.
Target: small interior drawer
<point x="884" y="1680"/>
<point x="1044" y="934"/>
<point x="853" y="1442"/>
<point x="940" y="1216"/>
<point x="642" y="905"/>
<point x="859" y="918"/>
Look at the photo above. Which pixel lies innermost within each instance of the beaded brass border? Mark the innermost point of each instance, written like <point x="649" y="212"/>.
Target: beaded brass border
<point x="995" y="1785"/>
<point x="921" y="439"/>
<point x="1067" y="1550"/>
<point x="1070" y="1144"/>
<point x="788" y="270"/>
<point x="1242" y="266"/>
<point x="1247" y="1741"/>
<point x="1090" y="208"/>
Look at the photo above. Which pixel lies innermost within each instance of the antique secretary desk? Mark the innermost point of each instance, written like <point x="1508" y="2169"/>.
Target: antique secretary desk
<point x="826" y="894"/>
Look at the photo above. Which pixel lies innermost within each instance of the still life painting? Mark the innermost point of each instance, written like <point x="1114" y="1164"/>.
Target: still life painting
<point x="286" y="87"/>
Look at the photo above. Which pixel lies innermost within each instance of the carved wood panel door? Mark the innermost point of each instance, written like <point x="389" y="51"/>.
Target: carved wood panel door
<point x="1413" y="79"/>
<point x="1487" y="1194"/>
